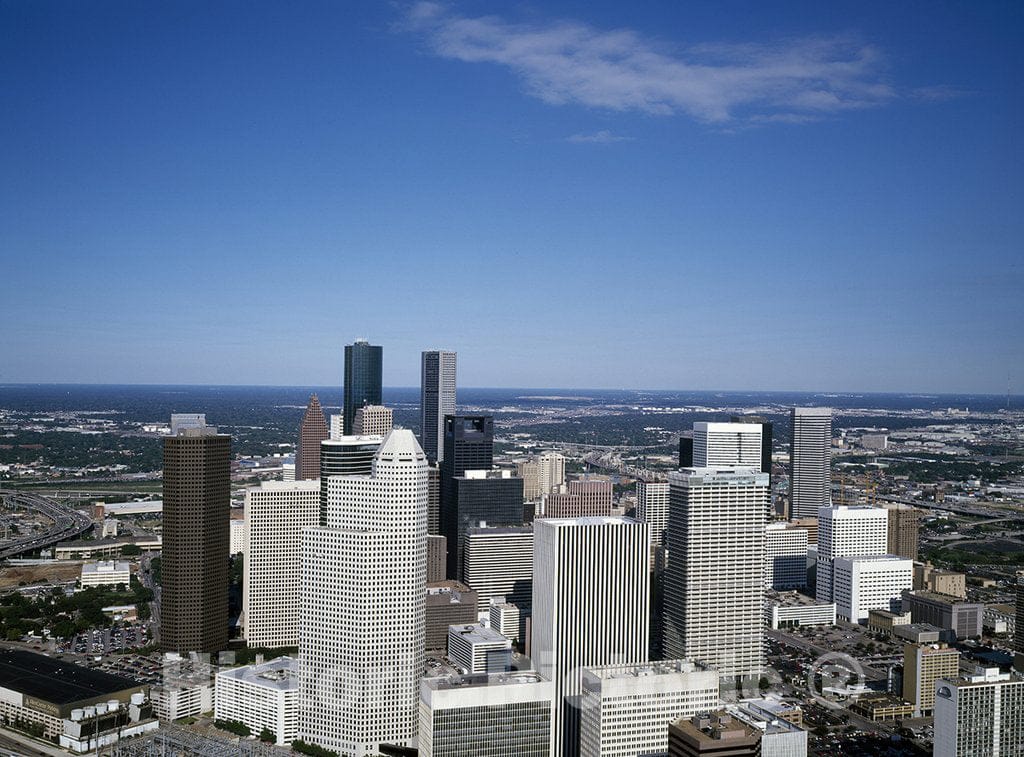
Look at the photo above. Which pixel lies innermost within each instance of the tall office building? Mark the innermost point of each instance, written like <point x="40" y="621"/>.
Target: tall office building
<point x="875" y="582"/>
<point x="498" y="715"/>
<point x="312" y="431"/>
<point x="810" y="461"/>
<point x="1018" y="638"/>
<point x="585" y="618"/>
<point x="848" y="531"/>
<point x="276" y="513"/>
<point x="550" y="472"/>
<point x="468" y="445"/>
<point x="434" y="500"/>
<point x="196" y="540"/>
<point x="337" y="424"/>
<point x="979" y="715"/>
<point x="713" y="582"/>
<point x="627" y="708"/>
<point x="347" y="456"/>
<point x="923" y="665"/>
<point x="373" y="420"/>
<point x="437" y="399"/>
<point x="529" y="471"/>
<point x="488" y="497"/>
<point x="652" y="508"/>
<point x="686" y="450"/>
<point x="498" y="562"/>
<point x="904" y="526"/>
<point x="363" y="375"/>
<point x="766" y="437"/>
<point x="362" y="611"/>
<point x="785" y="556"/>
<point x="718" y="444"/>
<point x="584" y="499"/>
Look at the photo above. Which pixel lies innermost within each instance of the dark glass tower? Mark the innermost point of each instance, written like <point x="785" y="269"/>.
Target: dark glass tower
<point x="197" y="501"/>
<point x="437" y="400"/>
<point x="685" y="451"/>
<point x="363" y="369"/>
<point x="494" y="498"/>
<point x="468" y="445"/>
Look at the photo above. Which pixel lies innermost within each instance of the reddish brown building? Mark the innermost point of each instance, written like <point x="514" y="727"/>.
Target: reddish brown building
<point x="584" y="499"/>
<point x="312" y="431"/>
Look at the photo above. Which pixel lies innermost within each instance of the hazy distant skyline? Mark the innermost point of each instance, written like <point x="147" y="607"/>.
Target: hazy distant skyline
<point x="721" y="195"/>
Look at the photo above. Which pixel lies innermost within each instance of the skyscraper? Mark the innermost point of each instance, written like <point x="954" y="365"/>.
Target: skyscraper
<point x="312" y="431"/>
<point x="468" y="445"/>
<point x="847" y="531"/>
<point x="363" y="592"/>
<point x="437" y="399"/>
<point x="197" y="501"/>
<point x="766" y="438"/>
<point x="375" y="420"/>
<point x="494" y="497"/>
<point x="498" y="562"/>
<point x="652" y="508"/>
<point x="550" y="472"/>
<point x="810" y="461"/>
<point x="276" y="513"/>
<point x="713" y="582"/>
<point x="346" y="456"/>
<point x="590" y="596"/>
<point x="716" y="444"/>
<point x="363" y="371"/>
<point x="979" y="715"/>
<point x="585" y="498"/>
<point x="904" y="527"/>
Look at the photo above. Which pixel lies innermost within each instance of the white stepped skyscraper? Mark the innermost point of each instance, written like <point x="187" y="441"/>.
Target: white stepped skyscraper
<point x="437" y="399"/>
<point x="591" y="590"/>
<point x="716" y="444"/>
<point x="714" y="583"/>
<point x="363" y="587"/>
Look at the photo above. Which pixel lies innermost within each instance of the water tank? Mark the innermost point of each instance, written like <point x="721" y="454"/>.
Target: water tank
<point x="113" y="705"/>
<point x="101" y="708"/>
<point x="77" y="713"/>
<point x="138" y="698"/>
<point x="90" y="712"/>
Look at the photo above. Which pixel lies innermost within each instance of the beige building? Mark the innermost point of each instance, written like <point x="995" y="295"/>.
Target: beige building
<point x="883" y="621"/>
<point x="373" y="420"/>
<point x="584" y="499"/>
<point x="927" y="578"/>
<point x="923" y="665"/>
<point x="529" y="471"/>
<point x="904" y="523"/>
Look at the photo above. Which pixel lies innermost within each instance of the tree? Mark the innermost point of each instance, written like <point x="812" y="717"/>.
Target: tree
<point x="268" y="736"/>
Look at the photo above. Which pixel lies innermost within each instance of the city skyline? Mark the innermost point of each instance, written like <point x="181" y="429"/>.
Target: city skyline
<point x="829" y="195"/>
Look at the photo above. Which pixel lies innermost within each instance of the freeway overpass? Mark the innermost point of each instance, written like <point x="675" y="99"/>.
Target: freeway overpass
<point x="67" y="522"/>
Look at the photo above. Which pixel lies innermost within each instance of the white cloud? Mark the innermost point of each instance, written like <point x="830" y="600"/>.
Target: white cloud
<point x="603" y="137"/>
<point x="570" y="62"/>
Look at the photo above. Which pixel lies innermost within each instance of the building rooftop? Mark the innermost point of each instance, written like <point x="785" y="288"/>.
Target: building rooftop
<point x="875" y="558"/>
<point x="645" y="669"/>
<point x="287" y="486"/>
<point x="105" y="566"/>
<point x="515" y="677"/>
<point x="931" y="596"/>
<point x="501" y="530"/>
<point x="478" y="634"/>
<point x="281" y="674"/>
<point x="57" y="682"/>
<point x="590" y="520"/>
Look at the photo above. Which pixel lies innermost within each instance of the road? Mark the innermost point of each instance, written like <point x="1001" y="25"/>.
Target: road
<point x="67" y="522"/>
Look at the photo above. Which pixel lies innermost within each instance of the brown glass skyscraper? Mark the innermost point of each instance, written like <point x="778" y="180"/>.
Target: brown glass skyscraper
<point x="197" y="501"/>
<point x="312" y="431"/>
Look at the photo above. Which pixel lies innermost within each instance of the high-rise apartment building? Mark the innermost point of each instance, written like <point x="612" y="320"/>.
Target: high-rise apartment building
<point x="904" y="526"/>
<point x="362" y="611"/>
<point x="626" y="709"/>
<point x="363" y="375"/>
<point x="489" y="497"/>
<point x="550" y="472"/>
<point x="277" y="512"/>
<point x="196" y="540"/>
<point x="585" y="498"/>
<point x="312" y="431"/>
<point x="785" y="556"/>
<point x="923" y="665"/>
<point x="848" y="531"/>
<point x="498" y="715"/>
<point x="978" y="715"/>
<point x="437" y="399"/>
<point x="714" y="586"/>
<point x="373" y="420"/>
<point x="720" y="444"/>
<point x="766" y="438"/>
<point x="498" y="562"/>
<point x="586" y="616"/>
<point x="810" y="461"/>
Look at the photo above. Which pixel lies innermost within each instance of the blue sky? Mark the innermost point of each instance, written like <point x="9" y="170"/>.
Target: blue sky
<point x="719" y="195"/>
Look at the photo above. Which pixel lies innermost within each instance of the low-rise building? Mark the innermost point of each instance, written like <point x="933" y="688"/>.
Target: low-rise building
<point x="793" y="610"/>
<point x="885" y="621"/>
<point x="106" y="573"/>
<point x="963" y="618"/>
<point x="449" y="603"/>
<point x="626" y="709"/>
<point x="923" y="633"/>
<point x="478" y="649"/>
<point x="882" y="708"/>
<point x="91" y="728"/>
<point x="486" y="716"/>
<point x="262" y="696"/>
<point x="779" y="737"/>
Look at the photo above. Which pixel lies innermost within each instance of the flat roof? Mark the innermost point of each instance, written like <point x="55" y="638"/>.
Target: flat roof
<point x="281" y="674"/>
<point x="57" y="682"/>
<point x="484" y="679"/>
<point x="477" y="634"/>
